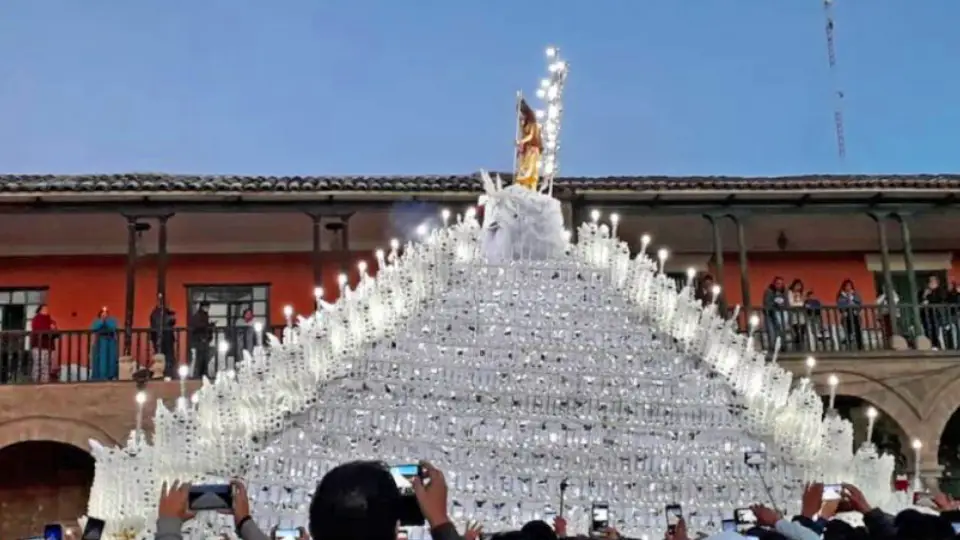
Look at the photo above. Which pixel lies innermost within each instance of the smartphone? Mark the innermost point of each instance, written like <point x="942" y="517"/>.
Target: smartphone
<point x="403" y="475"/>
<point x="210" y="497"/>
<point x="53" y="531"/>
<point x="744" y="516"/>
<point x="93" y="530"/>
<point x="549" y="516"/>
<point x="599" y="516"/>
<point x="754" y="459"/>
<point x="674" y="514"/>
<point x="751" y="538"/>
<point x="956" y="527"/>
<point x="287" y="534"/>
<point x="831" y="492"/>
<point x="728" y="525"/>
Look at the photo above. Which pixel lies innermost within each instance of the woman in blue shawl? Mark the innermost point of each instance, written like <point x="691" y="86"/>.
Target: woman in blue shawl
<point x="104" y="353"/>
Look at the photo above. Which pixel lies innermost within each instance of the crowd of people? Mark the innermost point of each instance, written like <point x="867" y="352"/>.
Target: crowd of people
<point x="361" y="501"/>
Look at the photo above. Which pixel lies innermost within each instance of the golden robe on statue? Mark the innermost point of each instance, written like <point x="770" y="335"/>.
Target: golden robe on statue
<point x="529" y="148"/>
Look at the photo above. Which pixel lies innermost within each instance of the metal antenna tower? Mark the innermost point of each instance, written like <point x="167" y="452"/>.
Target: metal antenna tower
<point x="838" y="92"/>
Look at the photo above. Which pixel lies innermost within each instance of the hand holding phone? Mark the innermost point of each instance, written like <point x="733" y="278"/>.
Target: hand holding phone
<point x="93" y="529"/>
<point x="832" y="492"/>
<point x="599" y="517"/>
<point x="410" y="513"/>
<point x="674" y="514"/>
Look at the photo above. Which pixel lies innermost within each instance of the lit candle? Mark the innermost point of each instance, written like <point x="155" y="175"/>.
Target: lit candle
<point x="182" y="372"/>
<point x="317" y="297"/>
<point x="422" y="230"/>
<point x="662" y="255"/>
<point x="715" y="293"/>
<point x="394" y="247"/>
<point x="288" y="314"/>
<point x="811" y="363"/>
<point x="833" y="381"/>
<point x="754" y="322"/>
<point x="258" y="334"/>
<point x="595" y="216"/>
<point x="362" y="267"/>
<point x="445" y="214"/>
<point x="342" y="283"/>
<point x="471" y="214"/>
<point x="381" y="262"/>
<point x="871" y="419"/>
<point x="691" y="273"/>
<point x="645" y="242"/>
<point x="614" y="221"/>
<point x="140" y="398"/>
<point x="917" y="445"/>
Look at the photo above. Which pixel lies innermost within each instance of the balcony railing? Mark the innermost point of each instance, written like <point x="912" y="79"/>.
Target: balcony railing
<point x="85" y="355"/>
<point x="833" y="329"/>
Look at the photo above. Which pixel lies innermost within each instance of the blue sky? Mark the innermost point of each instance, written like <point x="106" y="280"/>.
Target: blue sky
<point x="676" y="87"/>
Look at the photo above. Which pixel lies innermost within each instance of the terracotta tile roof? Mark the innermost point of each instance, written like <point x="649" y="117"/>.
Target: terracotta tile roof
<point x="149" y="182"/>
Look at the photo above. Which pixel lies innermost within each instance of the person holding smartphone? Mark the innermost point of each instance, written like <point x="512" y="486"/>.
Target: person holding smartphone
<point x="174" y="510"/>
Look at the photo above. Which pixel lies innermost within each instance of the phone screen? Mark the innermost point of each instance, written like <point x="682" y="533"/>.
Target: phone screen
<point x="956" y="527"/>
<point x="287" y="534"/>
<point x="674" y="514"/>
<point x="210" y="497"/>
<point x="831" y="492"/>
<point x="728" y="525"/>
<point x="53" y="532"/>
<point x="754" y="459"/>
<point x="600" y="517"/>
<point x="93" y="530"/>
<point x="410" y="513"/>
<point x="745" y="516"/>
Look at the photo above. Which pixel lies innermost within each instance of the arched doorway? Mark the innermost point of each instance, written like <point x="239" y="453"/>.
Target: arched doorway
<point x="949" y="455"/>
<point x="42" y="482"/>
<point x="888" y="436"/>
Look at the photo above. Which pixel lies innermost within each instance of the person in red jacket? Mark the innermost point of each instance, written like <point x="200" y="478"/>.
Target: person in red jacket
<point x="43" y="338"/>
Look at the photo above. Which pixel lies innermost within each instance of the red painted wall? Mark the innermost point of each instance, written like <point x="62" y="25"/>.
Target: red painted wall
<point x="79" y="286"/>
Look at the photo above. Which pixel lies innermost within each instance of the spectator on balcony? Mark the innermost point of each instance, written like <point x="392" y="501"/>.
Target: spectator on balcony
<point x="704" y="292"/>
<point x="163" y="320"/>
<point x="43" y="340"/>
<point x="887" y="304"/>
<point x="797" y="300"/>
<point x="849" y="304"/>
<point x="246" y="331"/>
<point x="932" y="305"/>
<point x="104" y="352"/>
<point x="775" y="304"/>
<point x="201" y="334"/>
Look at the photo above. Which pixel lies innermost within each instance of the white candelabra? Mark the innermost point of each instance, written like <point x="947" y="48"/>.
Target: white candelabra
<point x="513" y="359"/>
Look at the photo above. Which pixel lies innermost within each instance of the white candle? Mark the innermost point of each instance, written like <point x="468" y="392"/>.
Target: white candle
<point x="140" y="398"/>
<point x="614" y="221"/>
<point x="445" y="214"/>
<point x="871" y="419"/>
<point x="182" y="372"/>
<point x="715" y="294"/>
<point x="811" y="363"/>
<point x="288" y="314"/>
<point x="662" y="255"/>
<point x="917" y="445"/>
<point x="833" y="381"/>
<point x="776" y="350"/>
<point x="258" y="334"/>
<point x="342" y="283"/>
<point x="595" y="216"/>
<point x="381" y="262"/>
<point x="317" y="297"/>
<point x="644" y="242"/>
<point x="394" y="249"/>
<point x="362" y="267"/>
<point x="691" y="273"/>
<point x="754" y="322"/>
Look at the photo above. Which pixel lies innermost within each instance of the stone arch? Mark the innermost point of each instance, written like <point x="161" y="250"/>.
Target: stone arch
<point x="70" y="431"/>
<point x="881" y="395"/>
<point x="941" y="407"/>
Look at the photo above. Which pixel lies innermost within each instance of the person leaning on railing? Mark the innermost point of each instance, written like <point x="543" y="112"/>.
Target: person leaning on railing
<point x="43" y="339"/>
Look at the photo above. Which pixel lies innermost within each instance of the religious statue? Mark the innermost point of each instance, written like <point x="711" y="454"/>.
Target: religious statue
<point x="529" y="147"/>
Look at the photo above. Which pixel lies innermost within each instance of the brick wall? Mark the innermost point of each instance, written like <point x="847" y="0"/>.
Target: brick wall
<point x="53" y="489"/>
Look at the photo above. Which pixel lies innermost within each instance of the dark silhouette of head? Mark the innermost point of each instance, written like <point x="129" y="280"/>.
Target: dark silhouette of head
<point x="538" y="530"/>
<point x="356" y="501"/>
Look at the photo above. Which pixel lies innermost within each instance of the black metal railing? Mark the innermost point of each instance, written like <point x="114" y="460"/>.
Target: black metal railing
<point x="831" y="329"/>
<point x="86" y="355"/>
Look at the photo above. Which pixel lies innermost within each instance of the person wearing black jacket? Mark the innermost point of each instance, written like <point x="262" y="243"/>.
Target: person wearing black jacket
<point x="201" y="334"/>
<point x="932" y="300"/>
